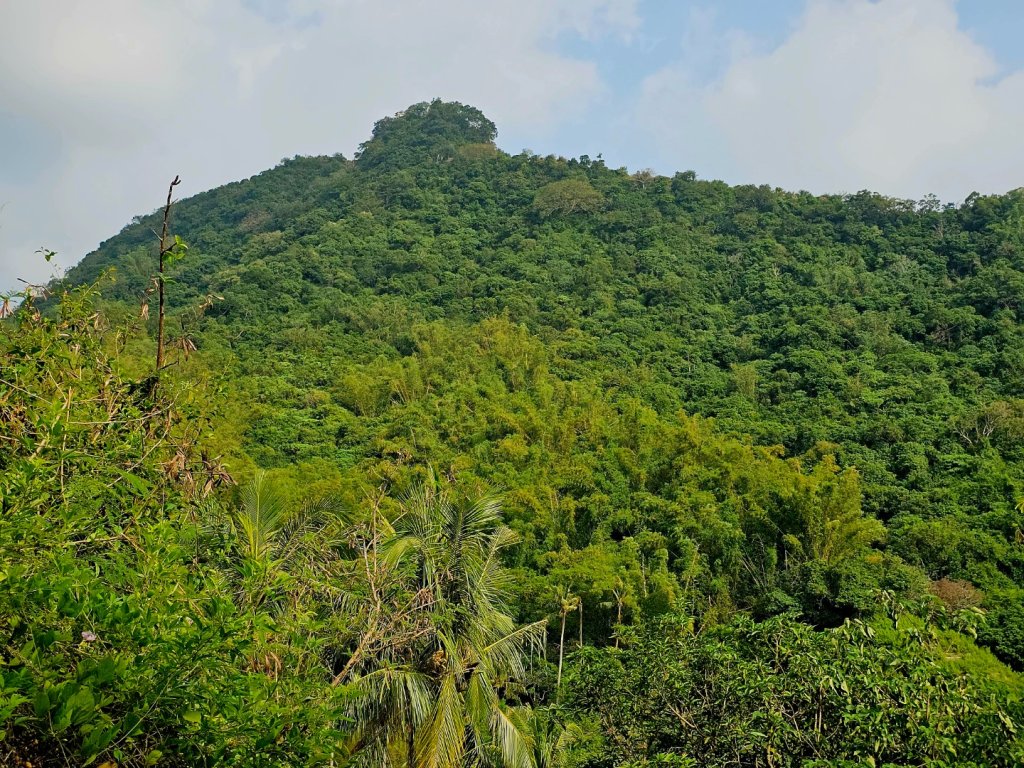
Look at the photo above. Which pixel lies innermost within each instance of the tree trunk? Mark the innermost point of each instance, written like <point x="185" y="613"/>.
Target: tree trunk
<point x="618" y="617"/>
<point x="160" y="316"/>
<point x="561" y="653"/>
<point x="410" y="739"/>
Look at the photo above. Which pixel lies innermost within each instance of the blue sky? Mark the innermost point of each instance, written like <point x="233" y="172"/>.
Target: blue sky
<point x="668" y="30"/>
<point x="694" y="31"/>
<point x="103" y="101"/>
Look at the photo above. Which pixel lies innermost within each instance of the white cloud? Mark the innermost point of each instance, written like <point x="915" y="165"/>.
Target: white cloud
<point x="102" y="101"/>
<point x="890" y="95"/>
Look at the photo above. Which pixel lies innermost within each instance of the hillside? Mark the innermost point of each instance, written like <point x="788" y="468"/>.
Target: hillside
<point x="731" y="404"/>
<point x="882" y="332"/>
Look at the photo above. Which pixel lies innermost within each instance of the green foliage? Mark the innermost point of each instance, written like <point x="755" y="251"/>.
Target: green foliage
<point x="694" y="397"/>
<point x="778" y="693"/>
<point x="566" y="197"/>
<point x="426" y="131"/>
<point x="1004" y="631"/>
<point x="115" y="642"/>
<point x="147" y="621"/>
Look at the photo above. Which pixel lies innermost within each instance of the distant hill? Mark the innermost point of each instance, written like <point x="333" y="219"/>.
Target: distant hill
<point x="543" y="324"/>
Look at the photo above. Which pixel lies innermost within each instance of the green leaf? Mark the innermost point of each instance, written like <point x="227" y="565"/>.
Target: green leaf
<point x="41" y="703"/>
<point x="137" y="483"/>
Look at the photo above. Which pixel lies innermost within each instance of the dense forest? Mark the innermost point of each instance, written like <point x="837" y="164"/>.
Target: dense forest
<point x="462" y="458"/>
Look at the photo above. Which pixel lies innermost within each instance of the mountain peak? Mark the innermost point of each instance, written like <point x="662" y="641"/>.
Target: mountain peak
<point x="429" y="130"/>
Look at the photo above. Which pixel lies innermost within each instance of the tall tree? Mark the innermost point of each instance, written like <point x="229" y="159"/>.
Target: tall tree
<point x="433" y="697"/>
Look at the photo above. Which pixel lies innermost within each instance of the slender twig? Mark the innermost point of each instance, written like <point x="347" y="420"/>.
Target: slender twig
<point x="164" y="250"/>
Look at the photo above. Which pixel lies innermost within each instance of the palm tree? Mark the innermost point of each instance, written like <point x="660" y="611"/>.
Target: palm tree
<point x="567" y="603"/>
<point x="272" y="541"/>
<point x="260" y="518"/>
<point x="549" y="736"/>
<point x="432" y="697"/>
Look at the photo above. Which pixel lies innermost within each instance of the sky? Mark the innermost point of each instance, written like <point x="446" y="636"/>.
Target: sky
<point x="102" y="102"/>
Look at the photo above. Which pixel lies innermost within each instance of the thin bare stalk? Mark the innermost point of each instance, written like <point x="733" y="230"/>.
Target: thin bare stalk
<point x="164" y="250"/>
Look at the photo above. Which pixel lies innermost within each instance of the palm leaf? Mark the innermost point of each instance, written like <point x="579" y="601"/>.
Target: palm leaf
<point x="261" y="516"/>
<point x="443" y="741"/>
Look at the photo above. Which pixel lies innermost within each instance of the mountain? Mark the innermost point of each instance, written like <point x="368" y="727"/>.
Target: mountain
<point x="438" y="301"/>
<point x="696" y="399"/>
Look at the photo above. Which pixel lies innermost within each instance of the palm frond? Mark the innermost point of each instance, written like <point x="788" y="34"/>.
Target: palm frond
<point x="391" y="697"/>
<point x="443" y="741"/>
<point x="305" y="530"/>
<point x="504" y="656"/>
<point x="512" y="744"/>
<point x="459" y="643"/>
<point x="260" y="517"/>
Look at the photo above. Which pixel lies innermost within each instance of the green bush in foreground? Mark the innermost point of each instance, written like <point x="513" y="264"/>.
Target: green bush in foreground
<point x="116" y="641"/>
<point x="778" y="693"/>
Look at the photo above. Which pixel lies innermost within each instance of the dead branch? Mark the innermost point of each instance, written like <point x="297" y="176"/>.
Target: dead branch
<point x="164" y="250"/>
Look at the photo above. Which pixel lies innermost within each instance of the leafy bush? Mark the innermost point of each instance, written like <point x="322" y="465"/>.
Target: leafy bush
<point x="780" y="693"/>
<point x="117" y="642"/>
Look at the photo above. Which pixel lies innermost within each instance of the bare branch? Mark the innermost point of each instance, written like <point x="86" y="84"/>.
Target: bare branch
<point x="164" y="249"/>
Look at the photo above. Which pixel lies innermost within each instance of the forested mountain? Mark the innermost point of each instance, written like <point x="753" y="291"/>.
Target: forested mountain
<point x="759" y="453"/>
